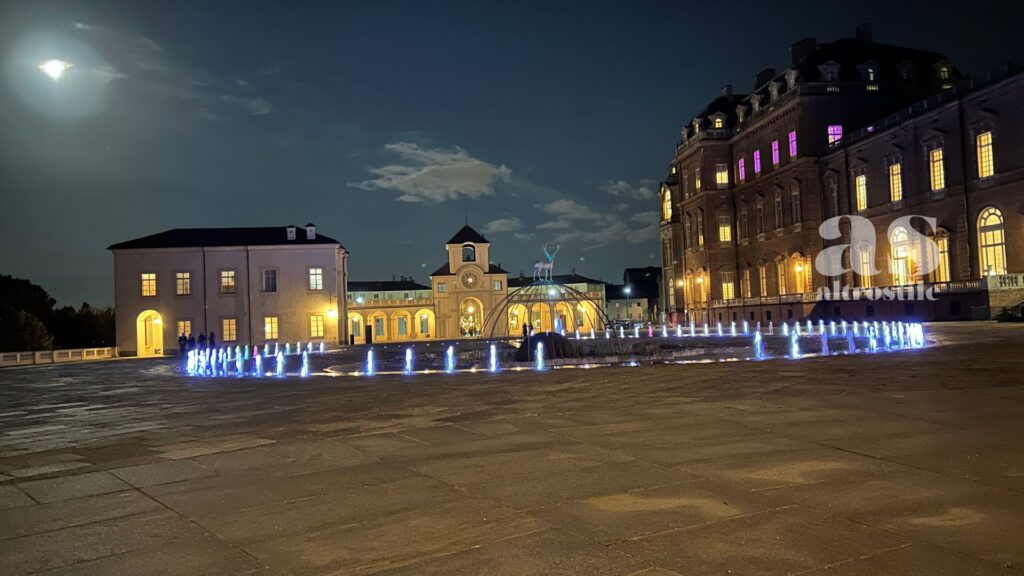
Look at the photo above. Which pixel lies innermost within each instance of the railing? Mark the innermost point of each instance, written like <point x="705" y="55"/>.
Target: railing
<point x="56" y="356"/>
<point x="955" y="287"/>
<point x="371" y="303"/>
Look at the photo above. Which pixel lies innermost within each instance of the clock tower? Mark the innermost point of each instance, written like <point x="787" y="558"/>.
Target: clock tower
<point x="468" y="287"/>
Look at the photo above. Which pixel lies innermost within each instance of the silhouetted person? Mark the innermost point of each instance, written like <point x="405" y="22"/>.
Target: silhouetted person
<point x="212" y="341"/>
<point x="182" y="343"/>
<point x="191" y="342"/>
<point x="202" y="341"/>
<point x="526" y="330"/>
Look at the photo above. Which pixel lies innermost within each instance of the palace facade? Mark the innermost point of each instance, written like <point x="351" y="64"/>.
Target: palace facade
<point x="468" y="295"/>
<point x="246" y="286"/>
<point x="867" y="131"/>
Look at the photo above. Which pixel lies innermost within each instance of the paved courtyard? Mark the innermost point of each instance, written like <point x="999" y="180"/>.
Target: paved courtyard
<point x="907" y="464"/>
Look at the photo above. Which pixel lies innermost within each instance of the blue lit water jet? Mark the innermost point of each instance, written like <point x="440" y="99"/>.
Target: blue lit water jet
<point x="785" y="329"/>
<point x="824" y="343"/>
<point x="493" y="365"/>
<point x="280" y="364"/>
<point x="794" y="345"/>
<point x="851" y="346"/>
<point x="408" y="360"/>
<point x="539" y="356"/>
<point x="369" y="362"/>
<point x="239" y="365"/>
<point x="732" y="329"/>
<point x="257" y="364"/>
<point x="718" y="327"/>
<point x="449" y="360"/>
<point x="758" y="345"/>
<point x="304" y="371"/>
<point x="746" y="327"/>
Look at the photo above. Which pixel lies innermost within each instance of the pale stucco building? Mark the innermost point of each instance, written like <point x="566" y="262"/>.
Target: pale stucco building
<point x="249" y="286"/>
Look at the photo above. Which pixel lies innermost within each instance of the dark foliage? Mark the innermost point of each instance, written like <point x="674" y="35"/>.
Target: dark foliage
<point x="29" y="321"/>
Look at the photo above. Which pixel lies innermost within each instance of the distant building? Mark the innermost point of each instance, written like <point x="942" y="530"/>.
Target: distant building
<point x="246" y="285"/>
<point x="630" y="305"/>
<point x="850" y="128"/>
<point x="648" y="281"/>
<point x="466" y="297"/>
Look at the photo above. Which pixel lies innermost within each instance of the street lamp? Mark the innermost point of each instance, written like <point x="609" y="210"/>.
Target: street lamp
<point x="629" y="314"/>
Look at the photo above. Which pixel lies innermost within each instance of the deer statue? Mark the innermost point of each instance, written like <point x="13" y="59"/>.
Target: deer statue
<point x="541" y="269"/>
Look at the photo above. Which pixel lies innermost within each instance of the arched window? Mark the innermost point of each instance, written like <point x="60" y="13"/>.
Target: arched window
<point x="666" y="203"/>
<point x="900" y="257"/>
<point x="992" y="242"/>
<point x="468" y="253"/>
<point x="801" y="273"/>
<point x="780" y="275"/>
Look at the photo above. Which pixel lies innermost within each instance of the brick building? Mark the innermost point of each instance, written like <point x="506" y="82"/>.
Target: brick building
<point x="856" y="129"/>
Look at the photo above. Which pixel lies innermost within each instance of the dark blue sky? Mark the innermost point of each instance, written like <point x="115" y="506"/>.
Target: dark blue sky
<point x="383" y="122"/>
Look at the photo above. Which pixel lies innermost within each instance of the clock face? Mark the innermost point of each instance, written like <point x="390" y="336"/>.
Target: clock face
<point x="470" y="280"/>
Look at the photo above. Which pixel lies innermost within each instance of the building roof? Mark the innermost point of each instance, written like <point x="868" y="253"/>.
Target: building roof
<point x="385" y="285"/>
<point x="557" y="279"/>
<point x="445" y="269"/>
<point x="618" y="292"/>
<point x="467" y="234"/>
<point x="208" y="237"/>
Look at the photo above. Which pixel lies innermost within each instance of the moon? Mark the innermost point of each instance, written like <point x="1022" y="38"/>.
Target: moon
<point x="54" y="68"/>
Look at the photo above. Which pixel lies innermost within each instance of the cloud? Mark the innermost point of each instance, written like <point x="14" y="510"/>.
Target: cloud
<point x="254" y="106"/>
<point x="503" y="225"/>
<point x="434" y="174"/>
<point x="579" y="224"/>
<point x="524" y="235"/>
<point x="643" y="190"/>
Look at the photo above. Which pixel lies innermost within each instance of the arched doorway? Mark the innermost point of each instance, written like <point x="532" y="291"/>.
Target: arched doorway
<point x="149" y="331"/>
<point x="401" y="325"/>
<point x="517" y="318"/>
<point x="425" y="323"/>
<point x="470" y="317"/>
<point x="379" y="324"/>
<point x="540" y="317"/>
<point x="355" y="327"/>
<point x="586" y="317"/>
<point x="565" y="318"/>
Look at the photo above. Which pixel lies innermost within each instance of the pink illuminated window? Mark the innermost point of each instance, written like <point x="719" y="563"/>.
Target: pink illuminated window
<point x="792" y="144"/>
<point x="835" y="133"/>
<point x="775" y="152"/>
<point x="757" y="161"/>
<point x="741" y="169"/>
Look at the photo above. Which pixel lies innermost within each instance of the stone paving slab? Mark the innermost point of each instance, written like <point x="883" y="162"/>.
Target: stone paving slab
<point x="904" y="463"/>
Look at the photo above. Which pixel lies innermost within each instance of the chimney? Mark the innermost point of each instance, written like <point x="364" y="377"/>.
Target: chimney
<point x="762" y="77"/>
<point x="727" y="90"/>
<point x="864" y="34"/>
<point x="801" y="49"/>
<point x="310" y="231"/>
<point x="291" y="232"/>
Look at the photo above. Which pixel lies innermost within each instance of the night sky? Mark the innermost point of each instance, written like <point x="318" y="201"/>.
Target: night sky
<point x="384" y="122"/>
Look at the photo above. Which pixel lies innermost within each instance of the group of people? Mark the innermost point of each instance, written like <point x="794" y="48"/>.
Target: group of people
<point x="188" y="343"/>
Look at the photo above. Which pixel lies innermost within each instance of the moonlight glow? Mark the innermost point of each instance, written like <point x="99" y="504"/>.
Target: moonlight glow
<point x="54" y="68"/>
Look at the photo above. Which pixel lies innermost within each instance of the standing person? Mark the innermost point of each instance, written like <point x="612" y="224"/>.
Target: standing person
<point x="182" y="343"/>
<point x="526" y="329"/>
<point x="212" y="341"/>
<point x="191" y="342"/>
<point x="202" y="341"/>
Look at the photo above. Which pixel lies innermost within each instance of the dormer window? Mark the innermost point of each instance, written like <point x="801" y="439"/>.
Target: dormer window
<point x="829" y="71"/>
<point x="943" y="73"/>
<point x="468" y="253"/>
<point x="719" y="123"/>
<point x="871" y="74"/>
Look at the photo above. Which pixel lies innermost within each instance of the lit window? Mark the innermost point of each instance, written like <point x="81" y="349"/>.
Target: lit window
<point x="316" y="326"/>
<point x="270" y="328"/>
<point x="792" y="144"/>
<point x="832" y="89"/>
<point x="780" y="273"/>
<point x="728" y="286"/>
<point x="148" y="284"/>
<point x="762" y="279"/>
<point x="986" y="166"/>
<point x="936" y="169"/>
<point x="745" y="283"/>
<point x="802" y="274"/>
<point x="944" y="73"/>
<point x="227" y="281"/>
<point x="229" y="329"/>
<point x="872" y="87"/>
<point x="497" y="285"/>
<point x="270" y="280"/>
<point x="724" y="229"/>
<point x="722" y="175"/>
<point x="316" y="278"/>
<point x="696" y="179"/>
<point x="700" y="228"/>
<point x="871" y="74"/>
<point x="741" y="169"/>
<point x="860" y="183"/>
<point x="835" y="133"/>
<point x="666" y="204"/>
<point x="182" y="283"/>
<point x="941" y="271"/>
<point x="775" y="153"/>
<point x="184" y="328"/>
<point x="864" y="267"/>
<point x="899" y="266"/>
<point x="895" y="182"/>
<point x="673" y="168"/>
<point x="757" y="162"/>
<point x="992" y="242"/>
<point x="719" y="123"/>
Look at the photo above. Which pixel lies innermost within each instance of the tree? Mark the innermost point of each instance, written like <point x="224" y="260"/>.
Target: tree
<point x="22" y="331"/>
